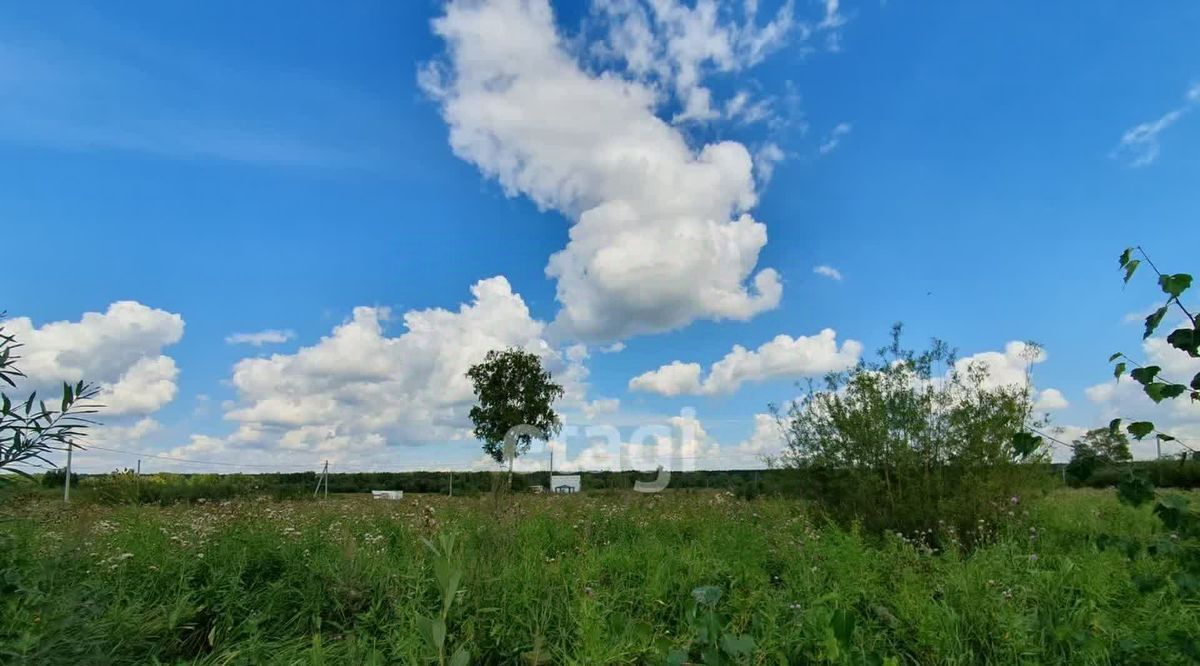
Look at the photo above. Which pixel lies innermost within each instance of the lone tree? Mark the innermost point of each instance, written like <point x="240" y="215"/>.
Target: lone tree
<point x="29" y="430"/>
<point x="514" y="391"/>
<point x="1097" y="448"/>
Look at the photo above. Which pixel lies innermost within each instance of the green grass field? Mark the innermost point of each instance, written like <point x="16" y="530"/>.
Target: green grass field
<point x="593" y="579"/>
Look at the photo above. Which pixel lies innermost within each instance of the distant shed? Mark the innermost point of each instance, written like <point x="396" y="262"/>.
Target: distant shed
<point x="565" y="483"/>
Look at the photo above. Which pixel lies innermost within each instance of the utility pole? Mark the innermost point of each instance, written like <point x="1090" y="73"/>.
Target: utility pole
<point x="67" y="481"/>
<point x="324" y="477"/>
<point x="452" y="483"/>
<point x="1158" y="447"/>
<point x="550" y="480"/>
<point x="138" y="487"/>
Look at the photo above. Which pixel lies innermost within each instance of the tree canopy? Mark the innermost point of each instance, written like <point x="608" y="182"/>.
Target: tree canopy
<point x="513" y="389"/>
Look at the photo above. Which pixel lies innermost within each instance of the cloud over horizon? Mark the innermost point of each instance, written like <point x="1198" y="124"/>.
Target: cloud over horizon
<point x="661" y="232"/>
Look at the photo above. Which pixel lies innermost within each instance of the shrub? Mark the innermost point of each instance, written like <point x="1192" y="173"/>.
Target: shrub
<point x="914" y="442"/>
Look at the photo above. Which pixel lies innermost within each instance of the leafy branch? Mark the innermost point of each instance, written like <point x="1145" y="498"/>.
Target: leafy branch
<point x="1184" y="338"/>
<point x="29" y="430"/>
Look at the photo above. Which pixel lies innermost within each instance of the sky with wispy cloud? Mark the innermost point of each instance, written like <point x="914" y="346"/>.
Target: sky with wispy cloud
<point x="280" y="234"/>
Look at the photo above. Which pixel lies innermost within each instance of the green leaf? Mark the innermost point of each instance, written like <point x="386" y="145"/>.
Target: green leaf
<point x="1173" y="390"/>
<point x="1140" y="429"/>
<point x="1114" y="426"/>
<point x="1195" y="385"/>
<point x="1118" y="370"/>
<point x="1162" y="437"/>
<point x="461" y="657"/>
<point x="737" y="646"/>
<point x="1125" y="256"/>
<point x="1130" y="266"/>
<point x="1185" y="339"/>
<point x="1161" y="390"/>
<point x="425" y="625"/>
<point x="1115" y="357"/>
<point x="1025" y="443"/>
<point x="1145" y="375"/>
<point x="439" y="633"/>
<point x="843" y="627"/>
<point x="1153" y="321"/>
<point x="1175" y="284"/>
<point x="1135" y="490"/>
<point x="66" y="399"/>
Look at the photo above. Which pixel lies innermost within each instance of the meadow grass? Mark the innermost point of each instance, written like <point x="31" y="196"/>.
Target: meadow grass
<point x="591" y="579"/>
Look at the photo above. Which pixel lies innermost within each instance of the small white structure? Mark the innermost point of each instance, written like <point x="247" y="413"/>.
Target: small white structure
<point x="565" y="484"/>
<point x="387" y="494"/>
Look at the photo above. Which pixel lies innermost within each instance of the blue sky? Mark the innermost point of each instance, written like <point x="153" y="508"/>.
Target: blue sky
<point x="970" y="169"/>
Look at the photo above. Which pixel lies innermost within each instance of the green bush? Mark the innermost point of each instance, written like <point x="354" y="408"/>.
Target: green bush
<point x="915" y="443"/>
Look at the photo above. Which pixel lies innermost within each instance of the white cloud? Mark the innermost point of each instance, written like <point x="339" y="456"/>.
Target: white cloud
<point x="765" y="160"/>
<point x="765" y="440"/>
<point x="662" y="234"/>
<point x="676" y="45"/>
<point x="832" y="21"/>
<point x="783" y="356"/>
<point x="142" y="389"/>
<point x="268" y="337"/>
<point x="829" y="272"/>
<point x="123" y="436"/>
<point x="746" y="110"/>
<point x="675" y="378"/>
<point x="1008" y="368"/>
<point x="1051" y="400"/>
<point x="835" y="136"/>
<point x="600" y="406"/>
<point x="1140" y="146"/>
<point x="359" y="389"/>
<point x="119" y="349"/>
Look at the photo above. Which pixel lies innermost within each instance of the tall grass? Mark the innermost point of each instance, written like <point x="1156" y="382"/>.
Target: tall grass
<point x="578" y="580"/>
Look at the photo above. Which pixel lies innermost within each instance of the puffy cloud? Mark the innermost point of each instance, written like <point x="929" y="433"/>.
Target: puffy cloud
<point x="675" y="378"/>
<point x="1008" y="368"/>
<point x="123" y="435"/>
<point x="783" y="356"/>
<point x="662" y="234"/>
<point x="829" y="272"/>
<point x="359" y="388"/>
<point x="143" y="388"/>
<point x="119" y="349"/>
<point x="1013" y="367"/>
<point x="600" y="407"/>
<point x="268" y="337"/>
<point x="765" y="440"/>
<point x="1051" y="400"/>
<point x="676" y="44"/>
